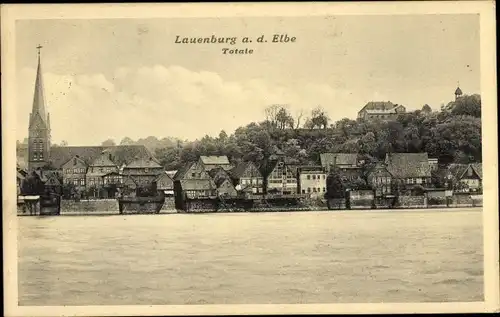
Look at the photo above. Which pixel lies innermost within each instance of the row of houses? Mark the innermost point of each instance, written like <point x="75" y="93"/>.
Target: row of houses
<point x="106" y="173"/>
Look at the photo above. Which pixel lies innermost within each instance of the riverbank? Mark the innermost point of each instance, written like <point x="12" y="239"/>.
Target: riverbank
<point x="108" y="207"/>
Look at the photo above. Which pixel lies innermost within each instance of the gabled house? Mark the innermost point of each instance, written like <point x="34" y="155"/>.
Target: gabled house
<point x="380" y="180"/>
<point x="74" y="173"/>
<point x="144" y="171"/>
<point x="166" y="183"/>
<point x="409" y="169"/>
<point x="225" y="188"/>
<point x="384" y="110"/>
<point x="279" y="177"/>
<point x="312" y="180"/>
<point x="98" y="168"/>
<point x="211" y="162"/>
<point x="192" y="181"/>
<point x="466" y="177"/>
<point x="247" y="178"/>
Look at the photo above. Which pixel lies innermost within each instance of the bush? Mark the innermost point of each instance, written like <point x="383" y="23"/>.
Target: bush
<point x="436" y="201"/>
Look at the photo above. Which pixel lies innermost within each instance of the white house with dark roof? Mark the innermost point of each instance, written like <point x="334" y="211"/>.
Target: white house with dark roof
<point x="384" y="110"/>
<point x="247" y="178"/>
<point x="312" y="180"/>
<point x="470" y="175"/>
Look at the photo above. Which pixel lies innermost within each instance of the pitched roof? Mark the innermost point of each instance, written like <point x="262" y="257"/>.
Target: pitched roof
<point x="121" y="154"/>
<point x="478" y="167"/>
<point x="378" y="105"/>
<point x="458" y="170"/>
<point x="458" y="91"/>
<point x="215" y="160"/>
<point x="171" y="174"/>
<point x="143" y="162"/>
<point x="328" y="159"/>
<point x="182" y="171"/>
<point x="103" y="160"/>
<point x="407" y="165"/>
<point x="197" y="184"/>
<point x="311" y="169"/>
<point x="75" y="159"/>
<point x="162" y="175"/>
<point x="240" y="169"/>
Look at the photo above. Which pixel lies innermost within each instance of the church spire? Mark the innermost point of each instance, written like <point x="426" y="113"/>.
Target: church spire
<point x="38" y="98"/>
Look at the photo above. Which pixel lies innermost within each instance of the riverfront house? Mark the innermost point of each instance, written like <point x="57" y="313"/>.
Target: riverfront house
<point x="74" y="172"/>
<point x="380" y="180"/>
<point x="312" y="180"/>
<point x="143" y="171"/>
<point x="280" y="177"/>
<point x="409" y="169"/>
<point x="247" y="178"/>
<point x="165" y="183"/>
<point x="466" y="177"/>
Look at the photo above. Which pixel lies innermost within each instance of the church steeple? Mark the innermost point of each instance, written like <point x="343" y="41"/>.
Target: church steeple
<point x="39" y="125"/>
<point x="38" y="98"/>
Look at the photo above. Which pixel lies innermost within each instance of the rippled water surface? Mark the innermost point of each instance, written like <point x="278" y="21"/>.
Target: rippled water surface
<point x="278" y="258"/>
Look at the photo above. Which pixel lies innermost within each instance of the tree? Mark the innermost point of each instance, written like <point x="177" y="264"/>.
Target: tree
<point x="64" y="143"/>
<point x="334" y="186"/>
<point x="468" y="106"/>
<point x="319" y="119"/>
<point x="127" y="141"/>
<point x="108" y="142"/>
<point x="426" y="109"/>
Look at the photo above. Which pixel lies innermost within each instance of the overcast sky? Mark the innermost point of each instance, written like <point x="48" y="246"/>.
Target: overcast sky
<point x="122" y="77"/>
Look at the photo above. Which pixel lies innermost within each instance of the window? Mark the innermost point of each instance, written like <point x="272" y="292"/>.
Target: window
<point x="319" y="190"/>
<point x="419" y="181"/>
<point x="314" y="190"/>
<point x="314" y="176"/>
<point x="193" y="175"/>
<point x="308" y="176"/>
<point x="82" y="181"/>
<point x="324" y="176"/>
<point x="303" y="191"/>
<point x="308" y="189"/>
<point x="324" y="189"/>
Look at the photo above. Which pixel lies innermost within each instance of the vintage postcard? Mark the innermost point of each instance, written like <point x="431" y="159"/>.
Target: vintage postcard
<point x="265" y="158"/>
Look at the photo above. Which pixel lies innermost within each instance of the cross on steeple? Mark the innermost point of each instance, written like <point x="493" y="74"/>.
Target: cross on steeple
<point x="38" y="48"/>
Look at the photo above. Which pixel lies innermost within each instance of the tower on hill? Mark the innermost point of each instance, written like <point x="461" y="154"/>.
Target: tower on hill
<point x="39" y="125"/>
<point x="458" y="92"/>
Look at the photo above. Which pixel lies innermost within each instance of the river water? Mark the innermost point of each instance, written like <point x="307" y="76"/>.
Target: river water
<point x="260" y="258"/>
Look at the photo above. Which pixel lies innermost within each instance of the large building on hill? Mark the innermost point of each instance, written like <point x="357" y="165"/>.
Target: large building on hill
<point x="384" y="110"/>
<point x="81" y="166"/>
